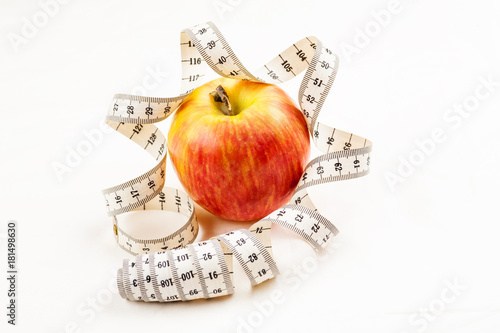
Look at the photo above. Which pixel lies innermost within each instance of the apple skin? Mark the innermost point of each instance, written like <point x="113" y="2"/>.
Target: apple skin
<point x="245" y="166"/>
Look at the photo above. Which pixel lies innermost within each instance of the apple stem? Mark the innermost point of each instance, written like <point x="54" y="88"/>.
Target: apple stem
<point x="220" y="95"/>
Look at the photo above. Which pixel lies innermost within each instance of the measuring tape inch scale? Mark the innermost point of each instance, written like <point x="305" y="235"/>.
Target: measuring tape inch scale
<point x="169" y="199"/>
<point x="197" y="271"/>
<point x="171" y="268"/>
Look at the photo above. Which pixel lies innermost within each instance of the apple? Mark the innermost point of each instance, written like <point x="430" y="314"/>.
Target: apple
<point x="239" y="147"/>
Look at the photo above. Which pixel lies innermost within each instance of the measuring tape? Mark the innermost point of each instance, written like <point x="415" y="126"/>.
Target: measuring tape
<point x="173" y="268"/>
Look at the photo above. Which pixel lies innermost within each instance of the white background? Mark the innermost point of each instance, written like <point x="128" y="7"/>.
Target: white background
<point x="403" y="243"/>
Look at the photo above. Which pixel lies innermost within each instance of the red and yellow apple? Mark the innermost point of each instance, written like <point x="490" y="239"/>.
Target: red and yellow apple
<point x="239" y="148"/>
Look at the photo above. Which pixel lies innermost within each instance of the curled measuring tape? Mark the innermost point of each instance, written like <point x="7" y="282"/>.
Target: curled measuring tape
<point x="172" y="268"/>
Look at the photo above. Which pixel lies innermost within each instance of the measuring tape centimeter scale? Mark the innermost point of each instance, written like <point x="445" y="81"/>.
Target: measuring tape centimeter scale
<point x="171" y="268"/>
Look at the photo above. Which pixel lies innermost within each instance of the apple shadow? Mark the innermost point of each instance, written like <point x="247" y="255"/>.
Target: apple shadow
<point x="211" y="225"/>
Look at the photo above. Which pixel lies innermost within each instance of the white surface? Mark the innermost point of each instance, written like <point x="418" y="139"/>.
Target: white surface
<point x="399" y="249"/>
